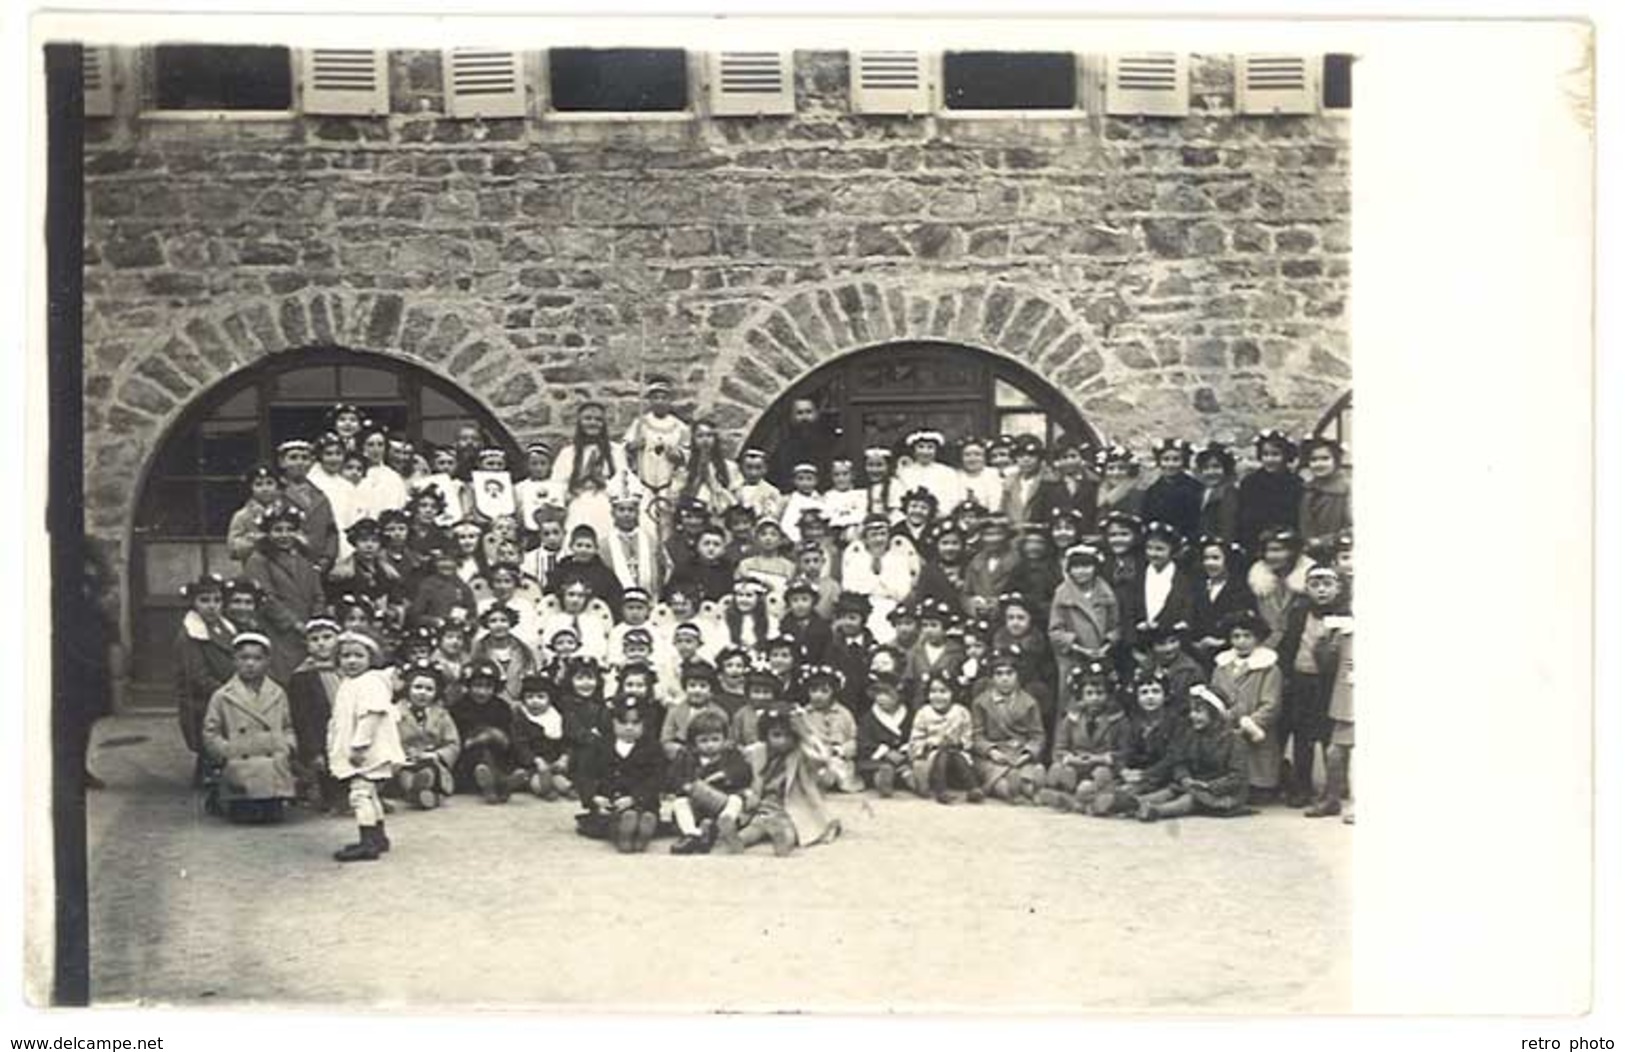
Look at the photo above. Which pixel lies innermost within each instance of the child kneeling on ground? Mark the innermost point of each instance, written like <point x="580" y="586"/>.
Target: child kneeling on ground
<point x="248" y="732"/>
<point x="713" y="781"/>
<point x="1210" y="777"/>
<point x="619" y="781"/>
<point x="1090" y="740"/>
<point x="939" y="743"/>
<point x="429" y="738"/>
<point x="541" y="741"/>
<point x="883" y="760"/>
<point x="791" y="810"/>
<point x="363" y="741"/>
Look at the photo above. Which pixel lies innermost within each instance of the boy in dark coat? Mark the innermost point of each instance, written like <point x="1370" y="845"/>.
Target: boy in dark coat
<point x="802" y="623"/>
<point x="440" y="591"/>
<point x="1210" y="775"/>
<point x="710" y="571"/>
<point x="1176" y="496"/>
<point x="1074" y="489"/>
<point x="883" y="733"/>
<point x="1091" y="737"/>
<point x="849" y="647"/>
<point x="1155" y="745"/>
<point x="584" y="564"/>
<point x="541" y="741"/>
<point x="484" y="720"/>
<point x="619" y="781"/>
<point x="1308" y="663"/>
<point x="713" y="781"/>
<point x="310" y="703"/>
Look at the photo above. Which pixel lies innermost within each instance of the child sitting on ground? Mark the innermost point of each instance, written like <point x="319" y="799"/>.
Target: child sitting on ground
<point x="428" y="738"/>
<point x="1090" y="742"/>
<point x="484" y="718"/>
<point x="832" y="725"/>
<point x="1155" y="743"/>
<point x="940" y="742"/>
<point x="676" y="731"/>
<point x="790" y="811"/>
<point x="1008" y="734"/>
<point x="882" y="756"/>
<point x="540" y="743"/>
<point x="713" y="783"/>
<point x="619" y="780"/>
<point x="761" y="694"/>
<point x="248" y="733"/>
<point x="1210" y="775"/>
<point x="363" y="742"/>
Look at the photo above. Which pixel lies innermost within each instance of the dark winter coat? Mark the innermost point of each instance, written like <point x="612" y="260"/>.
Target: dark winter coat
<point x="203" y="663"/>
<point x="1220" y="509"/>
<point x="812" y="633"/>
<point x="1176" y="501"/>
<point x="640" y="774"/>
<point x="1217" y="758"/>
<point x="1267" y="500"/>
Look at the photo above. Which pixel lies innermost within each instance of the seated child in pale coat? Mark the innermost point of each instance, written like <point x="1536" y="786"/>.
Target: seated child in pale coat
<point x="429" y="738"/>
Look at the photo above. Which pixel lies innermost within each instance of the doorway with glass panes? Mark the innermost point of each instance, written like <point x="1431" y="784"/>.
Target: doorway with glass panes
<point x="878" y="396"/>
<point x="196" y="480"/>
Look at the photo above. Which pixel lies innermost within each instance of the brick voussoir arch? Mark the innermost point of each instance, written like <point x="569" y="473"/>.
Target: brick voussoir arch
<point x="787" y="339"/>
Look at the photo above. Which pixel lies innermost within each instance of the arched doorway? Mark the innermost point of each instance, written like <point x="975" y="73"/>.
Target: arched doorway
<point x="1338" y="425"/>
<point x="195" y="480"/>
<point x="876" y="397"/>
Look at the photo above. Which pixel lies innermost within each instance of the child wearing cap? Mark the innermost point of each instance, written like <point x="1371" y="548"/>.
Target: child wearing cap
<point x="636" y="611"/>
<point x="424" y="509"/>
<point x="1247" y="677"/>
<point x="1268" y="498"/>
<point x="429" y="738"/>
<point x="658" y="439"/>
<point x="1325" y="511"/>
<point x="754" y="492"/>
<point x="440" y="591"/>
<point x="242" y="608"/>
<point x="698" y="681"/>
<point x="844" y="504"/>
<point x="761" y="694"/>
<point x="940" y="738"/>
<point x="1220" y="593"/>
<point x="849" y="647"/>
<point x="311" y="690"/>
<point x="1210" y="774"/>
<point x="813" y="569"/>
<point x="1020" y="634"/>
<point x="247" y="733"/>
<point x="363" y="742"/>
<point x="1164" y="652"/>
<point x="484" y="720"/>
<point x="243" y="534"/>
<point x="1073" y="491"/>
<point x="685" y="645"/>
<point x="319" y="531"/>
<point x="803" y="498"/>
<point x="1091" y="739"/>
<point x="790" y="810"/>
<point x="1164" y="593"/>
<point x="455" y="500"/>
<point x="1038" y="570"/>
<point x="1174" y="496"/>
<point x="1025" y="489"/>
<point x="619" y="780"/>
<point x="365" y="571"/>
<point x="768" y="561"/>
<point x="541" y="743"/>
<point x="802" y="623"/>
<point x="987" y="573"/>
<point x="501" y="586"/>
<point x="883" y="760"/>
<point x="203" y="662"/>
<point x="292" y="588"/>
<point x="917" y="517"/>
<point x="1008" y="734"/>
<point x="538" y="489"/>
<point x="1083" y="617"/>
<point x="832" y="725"/>
<point x="1155" y="744"/>
<point x="1309" y="667"/>
<point x="1216" y="470"/>
<point x="713" y="783"/>
<point x="933" y="651"/>
<point x="733" y="669"/>
<point x="1279" y="579"/>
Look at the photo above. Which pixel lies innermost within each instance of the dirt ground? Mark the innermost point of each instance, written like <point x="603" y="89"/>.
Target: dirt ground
<point x="917" y="907"/>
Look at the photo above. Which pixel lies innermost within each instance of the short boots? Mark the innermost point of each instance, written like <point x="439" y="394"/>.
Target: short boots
<point x="626" y="831"/>
<point x="885" y="781"/>
<point x="380" y="840"/>
<point x="728" y="835"/>
<point x="365" y="849"/>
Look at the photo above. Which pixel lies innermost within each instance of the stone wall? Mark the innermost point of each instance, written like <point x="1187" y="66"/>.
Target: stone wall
<point x="1168" y="276"/>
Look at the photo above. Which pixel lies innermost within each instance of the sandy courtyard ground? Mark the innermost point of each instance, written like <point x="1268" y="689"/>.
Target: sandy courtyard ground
<point x="917" y="907"/>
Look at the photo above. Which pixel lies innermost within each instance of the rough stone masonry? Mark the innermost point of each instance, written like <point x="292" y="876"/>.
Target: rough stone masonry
<point x="1185" y="276"/>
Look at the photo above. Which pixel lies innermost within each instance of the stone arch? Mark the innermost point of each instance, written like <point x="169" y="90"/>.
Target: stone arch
<point x="787" y="340"/>
<point x="132" y="407"/>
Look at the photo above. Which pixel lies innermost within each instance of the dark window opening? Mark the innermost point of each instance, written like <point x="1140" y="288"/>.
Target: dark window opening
<point x="1337" y="82"/>
<point x="220" y="77"/>
<point x="618" y="80"/>
<point x="1009" y="80"/>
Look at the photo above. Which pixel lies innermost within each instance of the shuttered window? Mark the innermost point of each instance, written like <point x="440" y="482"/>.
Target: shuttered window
<point x="221" y="77"/>
<point x="751" y="83"/>
<point x="1009" y="80"/>
<point x="1152" y="84"/>
<point x="98" y="81"/>
<point x="617" y="80"/>
<point x="344" y="81"/>
<point x="1267" y="84"/>
<point x="890" y="82"/>
<point x="483" y="83"/>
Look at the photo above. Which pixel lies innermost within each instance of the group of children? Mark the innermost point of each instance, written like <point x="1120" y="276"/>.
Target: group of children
<point x="685" y="643"/>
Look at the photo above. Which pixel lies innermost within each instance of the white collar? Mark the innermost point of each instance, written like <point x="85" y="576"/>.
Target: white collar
<point x="1166" y="571"/>
<point x="892" y="721"/>
<point x="624" y="749"/>
<point x="1260" y="659"/>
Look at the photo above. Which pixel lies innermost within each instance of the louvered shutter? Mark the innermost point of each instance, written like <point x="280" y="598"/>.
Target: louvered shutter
<point x="890" y="82"/>
<point x="1148" y="85"/>
<point x="344" y="81"/>
<point x="98" y="81"/>
<point x="483" y="83"/>
<point x="748" y="83"/>
<point x="1276" y="84"/>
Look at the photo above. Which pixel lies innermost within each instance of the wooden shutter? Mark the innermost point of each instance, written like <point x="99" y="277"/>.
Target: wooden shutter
<point x="482" y="83"/>
<point x="1276" y="84"/>
<point x="344" y="81"/>
<point x="1153" y="84"/>
<point x="890" y="82"/>
<point x="748" y="83"/>
<point x="98" y="81"/>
